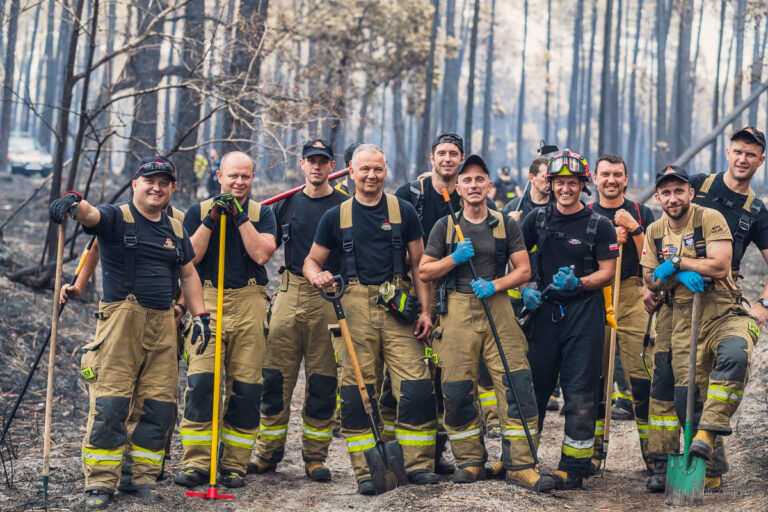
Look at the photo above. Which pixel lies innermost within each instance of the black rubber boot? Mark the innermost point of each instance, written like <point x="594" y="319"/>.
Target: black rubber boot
<point x="657" y="482"/>
<point x="190" y="478"/>
<point x="422" y="477"/>
<point x="97" y="498"/>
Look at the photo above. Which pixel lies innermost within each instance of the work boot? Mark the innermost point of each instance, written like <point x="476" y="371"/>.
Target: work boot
<point x="365" y="487"/>
<point x="317" y="472"/>
<point x="422" y="477"/>
<point x="553" y="404"/>
<point x="565" y="482"/>
<point x="494" y="470"/>
<point x="596" y="465"/>
<point x="97" y="498"/>
<point x="494" y="431"/>
<point x="190" y="478"/>
<point x="442" y="466"/>
<point x="622" y="412"/>
<point x="702" y="444"/>
<point x="713" y="484"/>
<point x="143" y="492"/>
<point x="529" y="479"/>
<point x="231" y="479"/>
<point x="657" y="482"/>
<point x="468" y="475"/>
<point x="260" y="466"/>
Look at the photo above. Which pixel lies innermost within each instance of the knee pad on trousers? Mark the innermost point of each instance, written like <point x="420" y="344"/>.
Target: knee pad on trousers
<point x="484" y="376"/>
<point x="731" y="361"/>
<point x="581" y="409"/>
<point x="417" y="402"/>
<point x="243" y="408"/>
<point x="524" y="386"/>
<point x="153" y="426"/>
<point x="272" y="397"/>
<point x="321" y="396"/>
<point x="199" y="397"/>
<point x="459" y="403"/>
<point x="681" y="397"/>
<point x="353" y="416"/>
<point x="663" y="386"/>
<point x="387" y="398"/>
<point x="108" y="430"/>
<point x="641" y="390"/>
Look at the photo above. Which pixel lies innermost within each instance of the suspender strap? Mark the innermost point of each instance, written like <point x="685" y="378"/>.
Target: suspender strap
<point x="659" y="250"/>
<point x="347" y="244"/>
<point x="700" y="245"/>
<point x="130" y="242"/>
<point x="395" y="220"/>
<point x="496" y="221"/>
<point x="417" y="197"/>
<point x="589" y="258"/>
<point x="288" y="214"/>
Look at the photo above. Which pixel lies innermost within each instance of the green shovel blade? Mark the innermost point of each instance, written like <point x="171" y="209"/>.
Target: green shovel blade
<point x="685" y="482"/>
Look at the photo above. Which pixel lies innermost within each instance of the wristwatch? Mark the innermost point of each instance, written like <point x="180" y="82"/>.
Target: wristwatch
<point x="763" y="302"/>
<point x="639" y="229"/>
<point x="675" y="261"/>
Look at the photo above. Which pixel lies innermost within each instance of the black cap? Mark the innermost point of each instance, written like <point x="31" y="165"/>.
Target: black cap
<point x="672" y="171"/>
<point x="349" y="152"/>
<point x="317" y="147"/>
<point x="449" y="138"/>
<point x="150" y="165"/>
<point x="474" y="160"/>
<point x="751" y="134"/>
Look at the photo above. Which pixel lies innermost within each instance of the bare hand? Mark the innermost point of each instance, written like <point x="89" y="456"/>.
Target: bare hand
<point x="621" y="235"/>
<point x="323" y="280"/>
<point x="69" y="291"/>
<point x="516" y="215"/>
<point x="423" y="326"/>
<point x="760" y="313"/>
<point x="651" y="300"/>
<point x="177" y="314"/>
<point x="624" y="219"/>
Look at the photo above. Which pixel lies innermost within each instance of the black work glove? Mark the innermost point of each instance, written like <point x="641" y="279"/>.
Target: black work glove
<point x="405" y="307"/>
<point x="237" y="213"/>
<point x="59" y="207"/>
<point x="220" y="205"/>
<point x="200" y="326"/>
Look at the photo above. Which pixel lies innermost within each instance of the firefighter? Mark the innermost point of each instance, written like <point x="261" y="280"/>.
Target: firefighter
<point x="630" y="218"/>
<point x="575" y="251"/>
<point x="250" y="242"/>
<point x="299" y="328"/>
<point x="131" y="366"/>
<point x="464" y="338"/>
<point x="347" y="186"/>
<point x="374" y="231"/>
<point x="537" y="193"/>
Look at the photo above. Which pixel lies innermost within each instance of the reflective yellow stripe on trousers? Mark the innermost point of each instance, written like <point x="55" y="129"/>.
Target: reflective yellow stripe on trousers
<point x="273" y="432"/>
<point x="139" y="454"/>
<point x="195" y="437"/>
<point x="663" y="422"/>
<point x="487" y="399"/>
<point x="578" y="449"/>
<point x="238" y="439"/>
<point x="98" y="457"/>
<point x="415" y="437"/>
<point x="316" y="433"/>
<point x="360" y="443"/>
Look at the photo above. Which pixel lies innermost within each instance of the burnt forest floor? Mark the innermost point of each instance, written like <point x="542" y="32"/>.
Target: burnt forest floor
<point x="24" y="322"/>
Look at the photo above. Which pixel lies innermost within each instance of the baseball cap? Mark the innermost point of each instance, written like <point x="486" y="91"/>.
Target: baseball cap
<point x="350" y="151"/>
<point x="449" y="138"/>
<point x="672" y="171"/>
<point x="150" y="165"/>
<point x="751" y="134"/>
<point x="474" y="160"/>
<point x="317" y="147"/>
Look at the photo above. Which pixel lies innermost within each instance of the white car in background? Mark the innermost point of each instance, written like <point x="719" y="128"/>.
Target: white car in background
<point x="26" y="156"/>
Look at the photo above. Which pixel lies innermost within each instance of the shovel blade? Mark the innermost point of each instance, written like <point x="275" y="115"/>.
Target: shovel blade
<point x="387" y="466"/>
<point x="685" y="484"/>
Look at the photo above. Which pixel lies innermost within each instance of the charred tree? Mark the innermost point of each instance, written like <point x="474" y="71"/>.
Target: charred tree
<point x="471" y="81"/>
<point x="10" y="66"/>
<point x="488" y="96"/>
<point x="426" y="118"/>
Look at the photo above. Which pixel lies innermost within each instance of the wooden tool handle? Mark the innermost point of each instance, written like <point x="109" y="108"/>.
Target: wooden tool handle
<point x="355" y="366"/>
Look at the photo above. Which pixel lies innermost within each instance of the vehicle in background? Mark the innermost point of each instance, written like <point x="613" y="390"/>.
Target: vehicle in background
<point x="26" y="156"/>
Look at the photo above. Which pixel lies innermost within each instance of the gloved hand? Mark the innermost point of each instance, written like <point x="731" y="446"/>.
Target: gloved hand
<point x="219" y="205"/>
<point x="531" y="298"/>
<point x="236" y="211"/>
<point x="565" y="279"/>
<point x="405" y="307"/>
<point x="200" y="326"/>
<point x="664" y="271"/>
<point x="482" y="288"/>
<point x="464" y="252"/>
<point x="692" y="280"/>
<point x="59" y="207"/>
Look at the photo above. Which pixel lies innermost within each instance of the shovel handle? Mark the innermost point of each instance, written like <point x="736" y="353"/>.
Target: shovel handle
<point x="690" y="399"/>
<point x="331" y="297"/>
<point x="356" y="368"/>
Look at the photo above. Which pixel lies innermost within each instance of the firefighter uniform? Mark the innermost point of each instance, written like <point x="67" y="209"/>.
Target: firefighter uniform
<point x="726" y="337"/>
<point x="131" y="365"/>
<point x="464" y="339"/>
<point x="569" y="327"/>
<point x="632" y="320"/>
<point x="486" y="395"/>
<point x="243" y="336"/>
<point x="373" y="240"/>
<point x="299" y="330"/>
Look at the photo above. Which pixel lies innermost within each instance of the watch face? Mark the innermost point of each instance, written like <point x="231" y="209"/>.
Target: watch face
<point x="764" y="302"/>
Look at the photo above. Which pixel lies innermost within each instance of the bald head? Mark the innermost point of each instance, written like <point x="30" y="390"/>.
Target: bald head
<point x="236" y="158"/>
<point x="236" y="174"/>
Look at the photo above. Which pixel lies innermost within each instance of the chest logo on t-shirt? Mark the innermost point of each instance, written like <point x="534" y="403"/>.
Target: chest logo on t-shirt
<point x="386" y="226"/>
<point x="574" y="241"/>
<point x="169" y="244"/>
<point x="669" y="250"/>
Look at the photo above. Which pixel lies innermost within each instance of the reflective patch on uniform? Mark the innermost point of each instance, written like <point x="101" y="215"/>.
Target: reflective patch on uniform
<point x="663" y="422"/>
<point x="99" y="457"/>
<point x="513" y="432"/>
<point x="238" y="439"/>
<point x="465" y="435"/>
<point x="360" y="443"/>
<point x="139" y="454"/>
<point x="389" y="427"/>
<point x="578" y="449"/>
<point x="318" y="434"/>
<point x="487" y="399"/>
<point x="88" y="373"/>
<point x="600" y="427"/>
<point x="642" y="431"/>
<point x="415" y="437"/>
<point x="724" y="394"/>
<point x="754" y="329"/>
<point x="620" y="395"/>
<point x="273" y="431"/>
<point x="195" y="437"/>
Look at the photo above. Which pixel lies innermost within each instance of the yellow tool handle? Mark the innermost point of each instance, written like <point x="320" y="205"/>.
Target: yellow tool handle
<point x="355" y="365"/>
<point x="217" y="351"/>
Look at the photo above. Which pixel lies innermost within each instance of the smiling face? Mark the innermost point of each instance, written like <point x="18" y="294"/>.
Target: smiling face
<point x="567" y="190"/>
<point x="674" y="197"/>
<point x="236" y="175"/>
<point x="153" y="192"/>
<point x="473" y="185"/>
<point x="316" y="169"/>
<point x="744" y="159"/>
<point x="446" y="158"/>
<point x="611" y="179"/>
<point x="369" y="170"/>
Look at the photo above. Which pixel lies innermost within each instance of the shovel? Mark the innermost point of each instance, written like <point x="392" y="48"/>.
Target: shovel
<point x="385" y="460"/>
<point x="685" y="474"/>
<point x="611" y="362"/>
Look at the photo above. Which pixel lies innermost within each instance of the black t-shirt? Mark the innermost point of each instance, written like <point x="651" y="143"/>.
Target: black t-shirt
<point x="484" y="244"/>
<point x="758" y="232"/>
<point x="306" y="213"/>
<point x="570" y="249"/>
<point x="372" y="237"/>
<point x="433" y="206"/>
<point x="156" y="257"/>
<point x="238" y="265"/>
<point x="527" y="205"/>
<point x="630" y="262"/>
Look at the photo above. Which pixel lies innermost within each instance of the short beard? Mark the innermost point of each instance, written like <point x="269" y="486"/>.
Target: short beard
<point x="682" y="213"/>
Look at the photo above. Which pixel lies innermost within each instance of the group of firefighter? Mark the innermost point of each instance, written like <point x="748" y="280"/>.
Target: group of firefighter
<point x="415" y="293"/>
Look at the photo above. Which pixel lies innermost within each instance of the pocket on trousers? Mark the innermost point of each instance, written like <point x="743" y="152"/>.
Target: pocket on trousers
<point x="432" y="352"/>
<point x="337" y="342"/>
<point x="89" y="362"/>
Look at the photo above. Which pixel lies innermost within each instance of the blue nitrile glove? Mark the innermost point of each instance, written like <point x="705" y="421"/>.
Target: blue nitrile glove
<point x="531" y="298"/>
<point x="664" y="271"/>
<point x="565" y="279"/>
<point x="692" y="280"/>
<point x="482" y="288"/>
<point x="464" y="252"/>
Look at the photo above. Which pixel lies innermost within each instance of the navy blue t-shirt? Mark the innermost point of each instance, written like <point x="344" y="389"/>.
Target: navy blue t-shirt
<point x="155" y="261"/>
<point x="372" y="237"/>
<point x="238" y="265"/>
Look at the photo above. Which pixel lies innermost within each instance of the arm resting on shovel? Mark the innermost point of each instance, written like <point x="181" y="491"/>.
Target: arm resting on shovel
<point x="313" y="267"/>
